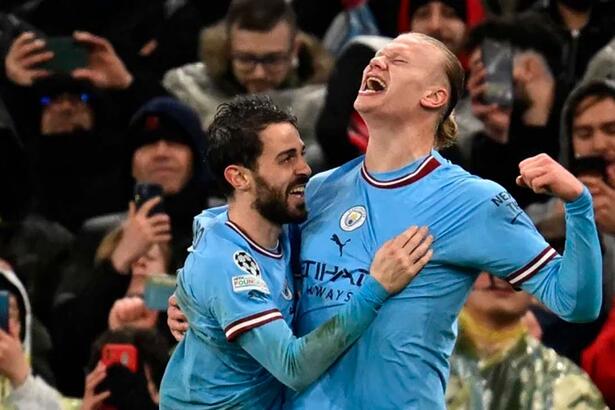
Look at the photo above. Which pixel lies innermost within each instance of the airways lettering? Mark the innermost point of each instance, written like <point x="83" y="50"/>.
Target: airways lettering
<point x="328" y="294"/>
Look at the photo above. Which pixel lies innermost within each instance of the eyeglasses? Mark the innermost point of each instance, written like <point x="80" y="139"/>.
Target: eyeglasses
<point x="46" y="100"/>
<point x="271" y="61"/>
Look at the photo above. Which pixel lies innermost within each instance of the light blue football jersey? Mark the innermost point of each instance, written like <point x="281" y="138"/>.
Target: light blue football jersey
<point x="228" y="285"/>
<point x="401" y="361"/>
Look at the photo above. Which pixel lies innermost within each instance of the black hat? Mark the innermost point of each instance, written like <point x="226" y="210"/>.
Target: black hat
<point x="458" y="5"/>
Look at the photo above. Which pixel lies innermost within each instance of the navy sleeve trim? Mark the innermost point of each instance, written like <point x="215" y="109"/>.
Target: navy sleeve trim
<point x="526" y="272"/>
<point x="235" y="329"/>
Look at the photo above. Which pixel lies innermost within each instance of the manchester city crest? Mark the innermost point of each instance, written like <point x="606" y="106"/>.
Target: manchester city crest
<point x="353" y="218"/>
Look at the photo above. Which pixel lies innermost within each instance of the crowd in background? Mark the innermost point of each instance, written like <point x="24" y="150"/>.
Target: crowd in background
<point x="76" y="136"/>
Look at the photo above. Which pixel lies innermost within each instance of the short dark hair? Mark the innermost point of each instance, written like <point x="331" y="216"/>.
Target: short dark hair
<point x="233" y="136"/>
<point x="260" y="15"/>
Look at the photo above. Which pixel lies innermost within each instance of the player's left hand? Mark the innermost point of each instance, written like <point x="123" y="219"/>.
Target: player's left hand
<point x="542" y="174"/>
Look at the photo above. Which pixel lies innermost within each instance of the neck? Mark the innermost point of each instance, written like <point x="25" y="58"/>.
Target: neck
<point x="574" y="20"/>
<point x="393" y="145"/>
<point x="489" y="335"/>
<point x="261" y="230"/>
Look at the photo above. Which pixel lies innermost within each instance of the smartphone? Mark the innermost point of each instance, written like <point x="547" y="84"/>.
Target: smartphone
<point x="590" y="165"/>
<point x="144" y="191"/>
<point x="120" y="353"/>
<point x="158" y="290"/>
<point x="4" y="310"/>
<point x="498" y="61"/>
<point x="67" y="55"/>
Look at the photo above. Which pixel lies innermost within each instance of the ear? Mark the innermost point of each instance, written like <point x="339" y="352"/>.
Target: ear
<point x="434" y="98"/>
<point x="238" y="177"/>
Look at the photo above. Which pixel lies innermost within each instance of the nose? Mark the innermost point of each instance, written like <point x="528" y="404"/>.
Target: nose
<point x="161" y="147"/>
<point x="302" y="167"/>
<point x="378" y="62"/>
<point x="434" y="23"/>
<point x="259" y="71"/>
<point x="599" y="142"/>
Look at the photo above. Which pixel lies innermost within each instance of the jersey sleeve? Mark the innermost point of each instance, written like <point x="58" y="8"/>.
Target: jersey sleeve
<point x="297" y="362"/>
<point x="228" y="287"/>
<point x="501" y="239"/>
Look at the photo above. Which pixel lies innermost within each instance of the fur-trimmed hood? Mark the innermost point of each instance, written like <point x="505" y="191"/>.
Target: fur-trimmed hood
<point x="314" y="65"/>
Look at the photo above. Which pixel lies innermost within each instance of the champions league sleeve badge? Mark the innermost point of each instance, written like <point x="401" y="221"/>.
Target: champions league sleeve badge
<point x="246" y="263"/>
<point x="353" y="218"/>
<point x="253" y="279"/>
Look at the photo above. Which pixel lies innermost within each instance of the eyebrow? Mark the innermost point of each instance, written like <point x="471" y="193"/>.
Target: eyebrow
<point x="289" y="151"/>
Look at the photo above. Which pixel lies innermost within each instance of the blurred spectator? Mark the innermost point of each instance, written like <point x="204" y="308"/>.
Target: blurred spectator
<point x="602" y="65"/>
<point x="64" y="119"/>
<point x="115" y="384"/>
<point x="257" y="49"/>
<point x="166" y="143"/>
<point x="496" y="364"/>
<point x="20" y="388"/>
<point x="583" y="26"/>
<point x="588" y="129"/>
<point x="530" y="126"/>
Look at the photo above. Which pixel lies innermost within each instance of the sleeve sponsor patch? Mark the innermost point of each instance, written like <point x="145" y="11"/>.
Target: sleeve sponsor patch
<point x="244" y="283"/>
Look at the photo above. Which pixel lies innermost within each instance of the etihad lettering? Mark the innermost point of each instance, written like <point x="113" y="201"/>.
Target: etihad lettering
<point x="323" y="272"/>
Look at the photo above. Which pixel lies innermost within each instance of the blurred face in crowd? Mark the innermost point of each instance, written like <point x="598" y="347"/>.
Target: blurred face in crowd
<point x="593" y="131"/>
<point x="163" y="162"/>
<point x="495" y="300"/>
<point x="66" y="113"/>
<point x="440" y="21"/>
<point x="261" y="61"/>
<point x="281" y="175"/>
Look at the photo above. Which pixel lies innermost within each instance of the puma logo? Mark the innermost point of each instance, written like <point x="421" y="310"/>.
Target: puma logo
<point x="339" y="243"/>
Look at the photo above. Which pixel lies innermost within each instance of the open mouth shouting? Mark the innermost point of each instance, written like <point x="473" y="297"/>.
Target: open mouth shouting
<point x="373" y="85"/>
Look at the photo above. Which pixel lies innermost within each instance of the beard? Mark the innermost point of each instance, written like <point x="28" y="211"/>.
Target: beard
<point x="272" y="203"/>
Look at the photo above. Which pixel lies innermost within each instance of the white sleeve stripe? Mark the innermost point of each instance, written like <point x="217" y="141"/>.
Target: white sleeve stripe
<point x="234" y="330"/>
<point x="533" y="268"/>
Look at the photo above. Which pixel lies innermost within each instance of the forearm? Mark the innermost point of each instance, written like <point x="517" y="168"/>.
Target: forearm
<point x="572" y="288"/>
<point x="297" y="362"/>
<point x="34" y="393"/>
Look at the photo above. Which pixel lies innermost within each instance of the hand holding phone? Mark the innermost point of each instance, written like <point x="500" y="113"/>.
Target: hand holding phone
<point x="594" y="165"/>
<point x="144" y="191"/>
<point x="68" y="55"/>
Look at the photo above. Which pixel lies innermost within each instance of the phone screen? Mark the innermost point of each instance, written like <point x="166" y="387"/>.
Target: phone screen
<point x="498" y="61"/>
<point x="158" y="290"/>
<point x="144" y="191"/>
<point x="590" y="165"/>
<point x="4" y="310"/>
<point x="67" y="55"/>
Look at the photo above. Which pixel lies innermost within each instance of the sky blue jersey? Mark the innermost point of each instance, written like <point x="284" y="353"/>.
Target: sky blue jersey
<point x="401" y="361"/>
<point x="228" y="285"/>
<point x="240" y="350"/>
